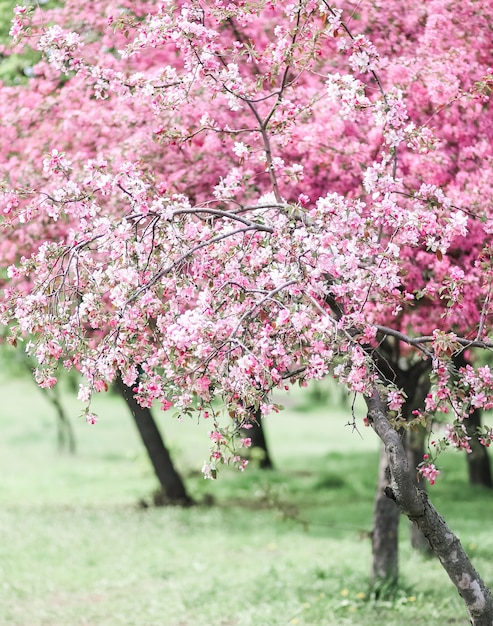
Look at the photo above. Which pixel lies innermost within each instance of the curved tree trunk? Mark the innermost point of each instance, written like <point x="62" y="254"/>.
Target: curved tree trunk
<point x="414" y="503"/>
<point x="172" y="486"/>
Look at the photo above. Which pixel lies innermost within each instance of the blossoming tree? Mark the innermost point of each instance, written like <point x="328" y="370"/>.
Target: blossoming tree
<point x="213" y="200"/>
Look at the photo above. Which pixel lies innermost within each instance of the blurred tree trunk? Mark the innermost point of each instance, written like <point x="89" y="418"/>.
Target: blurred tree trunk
<point x="171" y="483"/>
<point x="478" y="461"/>
<point x="384" y="536"/>
<point x="386" y="516"/>
<point x="65" y="432"/>
<point x="259" y="450"/>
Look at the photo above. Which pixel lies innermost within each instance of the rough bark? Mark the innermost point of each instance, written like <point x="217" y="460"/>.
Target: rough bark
<point x="384" y="536"/>
<point x="170" y="481"/>
<point x="414" y="503"/>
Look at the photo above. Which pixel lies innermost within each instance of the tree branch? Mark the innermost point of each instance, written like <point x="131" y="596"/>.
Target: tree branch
<point x="418" y="341"/>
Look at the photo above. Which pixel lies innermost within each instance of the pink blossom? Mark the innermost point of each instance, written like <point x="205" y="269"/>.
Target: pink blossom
<point x="100" y="385"/>
<point x="217" y="437"/>
<point x="395" y="400"/>
<point x="226" y="213"/>
<point x="478" y="400"/>
<point x="84" y="394"/>
<point x="430" y="472"/>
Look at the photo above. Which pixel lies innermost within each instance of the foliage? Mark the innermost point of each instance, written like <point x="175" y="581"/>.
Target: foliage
<point x="282" y="257"/>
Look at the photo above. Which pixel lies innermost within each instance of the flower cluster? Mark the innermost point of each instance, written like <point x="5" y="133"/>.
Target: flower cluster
<point x="242" y="198"/>
<point x="428" y="470"/>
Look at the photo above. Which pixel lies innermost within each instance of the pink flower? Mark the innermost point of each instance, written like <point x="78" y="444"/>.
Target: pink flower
<point x="217" y="437"/>
<point x="48" y="382"/>
<point x="16" y="28"/>
<point x="430" y="472"/>
<point x="395" y="400"/>
<point x="478" y="399"/>
<point x="100" y="385"/>
<point x="84" y="394"/>
<point x="91" y="418"/>
<point x="303" y="199"/>
<point x="166" y="405"/>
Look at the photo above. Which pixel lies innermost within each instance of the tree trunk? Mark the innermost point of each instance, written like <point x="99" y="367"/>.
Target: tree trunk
<point x="384" y="536"/>
<point x="66" y="437"/>
<point x="385" y="556"/>
<point x="414" y="503"/>
<point x="172" y="486"/>
<point x="65" y="432"/>
<point x="478" y="461"/>
<point x="259" y="446"/>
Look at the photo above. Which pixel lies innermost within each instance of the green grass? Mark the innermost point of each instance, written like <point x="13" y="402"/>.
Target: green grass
<point x="289" y="546"/>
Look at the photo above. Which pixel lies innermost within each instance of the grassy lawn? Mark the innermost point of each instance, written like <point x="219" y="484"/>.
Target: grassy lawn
<point x="289" y="546"/>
